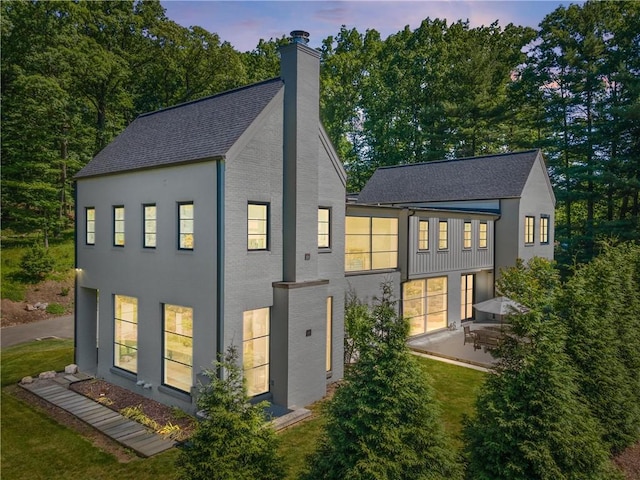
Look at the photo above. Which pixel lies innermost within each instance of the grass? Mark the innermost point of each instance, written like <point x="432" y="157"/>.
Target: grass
<point x="13" y="285"/>
<point x="34" y="446"/>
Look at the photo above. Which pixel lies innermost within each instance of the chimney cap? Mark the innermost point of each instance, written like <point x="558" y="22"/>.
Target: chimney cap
<point x="300" y="36"/>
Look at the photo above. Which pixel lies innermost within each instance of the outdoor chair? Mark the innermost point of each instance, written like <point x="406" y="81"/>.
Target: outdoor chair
<point x="469" y="336"/>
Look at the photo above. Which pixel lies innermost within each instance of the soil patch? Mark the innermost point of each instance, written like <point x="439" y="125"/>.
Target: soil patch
<point x="49" y="291"/>
<point x="116" y="398"/>
<point x="629" y="462"/>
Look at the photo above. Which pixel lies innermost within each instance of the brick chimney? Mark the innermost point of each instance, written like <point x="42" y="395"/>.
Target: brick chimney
<point x="300" y="71"/>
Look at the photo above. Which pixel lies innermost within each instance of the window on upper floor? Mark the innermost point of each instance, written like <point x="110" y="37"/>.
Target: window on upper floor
<point x="371" y="243"/>
<point x="258" y="226"/>
<point x="529" y="230"/>
<point x="178" y="347"/>
<point x="255" y="350"/>
<point x="125" y="335"/>
<point x="324" y="227"/>
<point x="149" y="225"/>
<point x="90" y="226"/>
<point x="443" y="235"/>
<point x="423" y="235"/>
<point x="482" y="235"/>
<point x="118" y="226"/>
<point x="185" y="225"/>
<point x="544" y="229"/>
<point x="466" y="235"/>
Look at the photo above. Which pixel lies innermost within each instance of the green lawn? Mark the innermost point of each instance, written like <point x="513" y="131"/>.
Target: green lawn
<point x="36" y="447"/>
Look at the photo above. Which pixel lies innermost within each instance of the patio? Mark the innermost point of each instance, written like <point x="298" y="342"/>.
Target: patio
<point x="450" y="345"/>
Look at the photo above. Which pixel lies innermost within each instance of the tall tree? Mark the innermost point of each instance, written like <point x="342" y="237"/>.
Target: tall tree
<point x="383" y="422"/>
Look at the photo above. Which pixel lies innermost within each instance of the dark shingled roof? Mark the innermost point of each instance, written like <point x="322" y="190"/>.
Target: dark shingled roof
<point x="191" y="131"/>
<point x="474" y="178"/>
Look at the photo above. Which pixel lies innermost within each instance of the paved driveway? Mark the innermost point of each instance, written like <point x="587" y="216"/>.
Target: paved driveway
<point x="61" y="327"/>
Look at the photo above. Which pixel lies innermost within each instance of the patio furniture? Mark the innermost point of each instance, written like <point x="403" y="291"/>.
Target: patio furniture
<point x="469" y="336"/>
<point x="487" y="338"/>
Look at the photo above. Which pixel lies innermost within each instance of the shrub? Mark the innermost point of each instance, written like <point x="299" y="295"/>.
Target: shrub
<point x="55" y="309"/>
<point x="36" y="263"/>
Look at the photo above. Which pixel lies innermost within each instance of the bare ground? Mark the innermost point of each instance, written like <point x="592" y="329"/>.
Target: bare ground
<point x="49" y="291"/>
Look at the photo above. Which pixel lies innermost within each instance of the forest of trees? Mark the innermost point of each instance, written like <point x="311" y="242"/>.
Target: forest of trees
<point x="74" y="74"/>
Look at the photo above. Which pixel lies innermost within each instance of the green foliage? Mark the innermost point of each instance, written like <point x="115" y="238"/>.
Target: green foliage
<point x="533" y="284"/>
<point x="233" y="441"/>
<point x="36" y="263"/>
<point x="356" y="323"/>
<point x="531" y="420"/>
<point x="55" y="309"/>
<point x="601" y="308"/>
<point x="383" y="422"/>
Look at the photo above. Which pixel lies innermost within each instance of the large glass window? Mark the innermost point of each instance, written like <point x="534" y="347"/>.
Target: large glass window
<point x="324" y="227"/>
<point x="178" y="347"/>
<point x="258" y="226"/>
<point x="118" y="226"/>
<point x="423" y="235"/>
<point x="424" y="303"/>
<point x="90" y="227"/>
<point x="185" y="226"/>
<point x="467" y="237"/>
<point x="466" y="297"/>
<point x="371" y="243"/>
<point x="329" y="349"/>
<point x="482" y="235"/>
<point x="125" y="333"/>
<point x="443" y="235"/>
<point x="529" y="230"/>
<point x="544" y="229"/>
<point x="255" y="350"/>
<point x="149" y="226"/>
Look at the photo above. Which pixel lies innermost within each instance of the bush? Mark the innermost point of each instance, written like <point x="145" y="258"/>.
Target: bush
<point x="55" y="309"/>
<point x="36" y="263"/>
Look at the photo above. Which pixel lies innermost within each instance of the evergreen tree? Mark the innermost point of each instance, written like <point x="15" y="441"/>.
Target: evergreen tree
<point x="232" y="442"/>
<point x="531" y="421"/>
<point x="383" y="422"/>
<point x="601" y="308"/>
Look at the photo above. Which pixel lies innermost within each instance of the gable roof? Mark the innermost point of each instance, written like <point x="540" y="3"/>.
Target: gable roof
<point x="202" y="129"/>
<point x="472" y="178"/>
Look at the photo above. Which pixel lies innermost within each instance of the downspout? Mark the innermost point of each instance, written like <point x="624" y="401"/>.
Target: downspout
<point x="75" y="271"/>
<point x="495" y="250"/>
<point x="220" y="169"/>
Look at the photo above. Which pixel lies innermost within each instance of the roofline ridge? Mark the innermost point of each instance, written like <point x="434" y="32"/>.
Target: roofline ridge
<point x="220" y="94"/>
<point x="444" y="160"/>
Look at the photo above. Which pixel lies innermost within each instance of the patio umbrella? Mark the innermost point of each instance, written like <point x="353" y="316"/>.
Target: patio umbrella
<point x="500" y="306"/>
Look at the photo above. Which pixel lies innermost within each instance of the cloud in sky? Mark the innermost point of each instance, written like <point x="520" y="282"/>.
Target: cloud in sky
<point x="244" y="23"/>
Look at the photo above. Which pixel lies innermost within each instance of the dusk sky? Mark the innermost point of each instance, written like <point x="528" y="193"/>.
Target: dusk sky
<point x="244" y="23"/>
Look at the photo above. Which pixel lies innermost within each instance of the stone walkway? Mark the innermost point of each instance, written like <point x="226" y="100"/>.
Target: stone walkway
<point x="131" y="434"/>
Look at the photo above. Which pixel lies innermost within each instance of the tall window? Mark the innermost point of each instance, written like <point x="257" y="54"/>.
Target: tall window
<point x="443" y="235"/>
<point x="178" y="347"/>
<point x="255" y="350"/>
<point x="258" y="226"/>
<point x="466" y="297"/>
<point x="90" y="225"/>
<point x="529" y="230"/>
<point x="544" y="229"/>
<point x="118" y="226"/>
<point x="125" y="337"/>
<point x="482" y="235"/>
<point x="324" y="227"/>
<point x="424" y="303"/>
<point x="371" y="243"/>
<point x="466" y="240"/>
<point x="329" y="349"/>
<point x="149" y="226"/>
<point x="185" y="227"/>
<point x="423" y="235"/>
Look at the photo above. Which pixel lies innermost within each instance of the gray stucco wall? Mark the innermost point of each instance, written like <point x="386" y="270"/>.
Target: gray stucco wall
<point x="154" y="276"/>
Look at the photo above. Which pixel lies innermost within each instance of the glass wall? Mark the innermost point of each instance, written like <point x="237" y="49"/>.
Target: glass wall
<point x="178" y="347"/>
<point x="424" y="304"/>
<point x="125" y="333"/>
<point x="255" y="350"/>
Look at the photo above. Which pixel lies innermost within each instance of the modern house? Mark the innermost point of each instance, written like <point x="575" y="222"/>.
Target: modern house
<point x="459" y="222"/>
<point x="223" y="221"/>
<point x="198" y="228"/>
